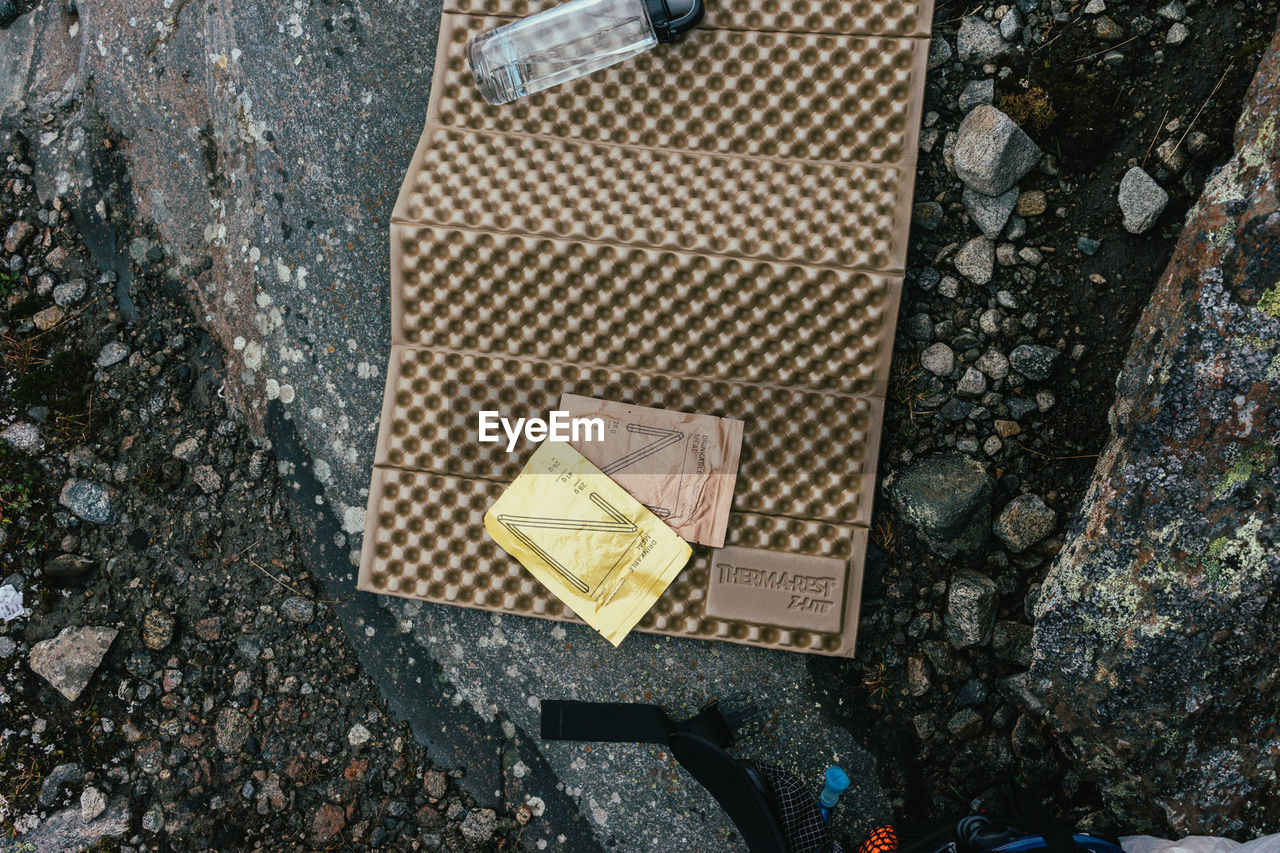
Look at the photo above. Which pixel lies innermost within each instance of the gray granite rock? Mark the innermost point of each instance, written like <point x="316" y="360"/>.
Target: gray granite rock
<point x="978" y="42"/>
<point x="990" y="213"/>
<point x="976" y="259"/>
<point x="992" y="153"/>
<point x="1141" y="200"/>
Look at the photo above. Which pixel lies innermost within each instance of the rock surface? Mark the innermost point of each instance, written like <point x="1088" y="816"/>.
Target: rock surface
<point x="1157" y="626"/>
<point x="946" y="497"/>
<point x="70" y="659"/>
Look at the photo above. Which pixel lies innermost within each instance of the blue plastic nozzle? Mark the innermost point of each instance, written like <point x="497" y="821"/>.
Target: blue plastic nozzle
<point x="837" y="782"/>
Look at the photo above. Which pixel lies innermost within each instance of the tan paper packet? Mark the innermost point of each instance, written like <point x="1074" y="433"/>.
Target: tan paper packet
<point x="681" y="466"/>
<point x="584" y="538"/>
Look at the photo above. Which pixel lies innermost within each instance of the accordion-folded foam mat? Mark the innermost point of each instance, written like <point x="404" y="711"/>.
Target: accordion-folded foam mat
<point x="717" y="226"/>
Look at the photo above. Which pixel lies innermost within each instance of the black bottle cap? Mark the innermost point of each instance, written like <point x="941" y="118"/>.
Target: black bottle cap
<point x="671" y="18"/>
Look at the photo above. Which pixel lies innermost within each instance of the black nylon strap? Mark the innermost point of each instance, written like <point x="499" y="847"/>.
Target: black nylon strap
<point x="618" y="722"/>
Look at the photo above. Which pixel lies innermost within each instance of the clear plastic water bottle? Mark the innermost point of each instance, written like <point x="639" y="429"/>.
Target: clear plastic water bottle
<point x="570" y="40"/>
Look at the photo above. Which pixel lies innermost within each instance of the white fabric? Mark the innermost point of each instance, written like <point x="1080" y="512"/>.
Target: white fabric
<point x="1199" y="844"/>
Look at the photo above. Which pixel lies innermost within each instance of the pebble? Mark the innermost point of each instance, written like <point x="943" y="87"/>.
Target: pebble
<point x="1033" y="361"/>
<point x="479" y="825"/>
<point x="68" y="570"/>
<point x="231" y="731"/>
<point x="1032" y="203"/>
<point x="92" y="803"/>
<point x="1174" y="10"/>
<point x="971" y="609"/>
<point x="1023" y="522"/>
<point x="993" y="363"/>
<point x="1088" y="245"/>
<point x="1107" y="29"/>
<point x="17" y="236"/>
<point x="1016" y="229"/>
<point x="1045" y="401"/>
<point x="48" y="318"/>
<point x="209" y="480"/>
<point x="1006" y="254"/>
<point x="69" y="660"/>
<point x="69" y="775"/>
<point x="918" y="681"/>
<point x="111" y="354"/>
<point x="90" y="501"/>
<point x="1010" y="24"/>
<point x="989" y="213"/>
<point x="972" y="383"/>
<point x="1177" y="34"/>
<point x="298" y="609"/>
<point x="964" y="724"/>
<point x="978" y="42"/>
<point x="976" y="93"/>
<point x="975" y="260"/>
<point x="1141" y="200"/>
<point x="972" y="692"/>
<point x="939" y="53"/>
<point x="1020" y="407"/>
<point x="1171" y="155"/>
<point x="949" y="287"/>
<point x="69" y="292"/>
<point x="991" y="152"/>
<point x="927" y="214"/>
<point x="436" y="783"/>
<point x="23" y="436"/>
<point x="945" y="496"/>
<point x="989" y="321"/>
<point x="153" y="819"/>
<point x="939" y="359"/>
<point x="1095" y="7"/>
<point x="157" y="629"/>
<point x="358" y="735"/>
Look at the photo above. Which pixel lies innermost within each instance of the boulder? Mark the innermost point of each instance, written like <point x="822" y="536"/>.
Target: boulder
<point x="992" y="153"/>
<point x="1158" y="623"/>
<point x="946" y="497"/>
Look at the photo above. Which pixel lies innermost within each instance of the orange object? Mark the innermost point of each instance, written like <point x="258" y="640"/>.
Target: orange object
<point x="882" y="839"/>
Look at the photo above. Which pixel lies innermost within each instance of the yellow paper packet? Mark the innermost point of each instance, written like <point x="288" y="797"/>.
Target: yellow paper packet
<point x="584" y="538"/>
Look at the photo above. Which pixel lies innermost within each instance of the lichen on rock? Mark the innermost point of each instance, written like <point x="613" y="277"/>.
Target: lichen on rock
<point x="1154" y="649"/>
